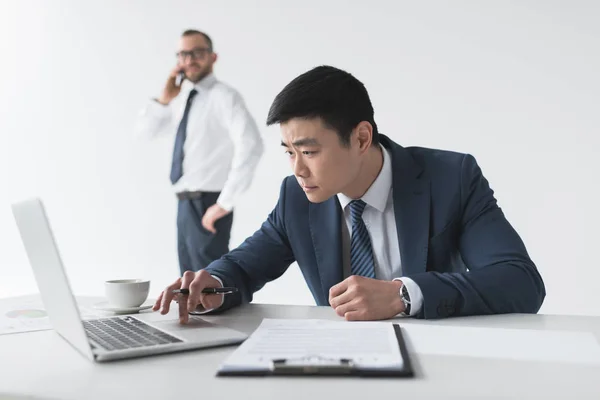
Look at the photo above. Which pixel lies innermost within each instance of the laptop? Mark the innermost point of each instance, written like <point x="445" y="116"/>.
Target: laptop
<point x="110" y="338"/>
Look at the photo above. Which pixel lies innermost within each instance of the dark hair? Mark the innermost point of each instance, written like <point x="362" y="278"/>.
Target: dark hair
<point x="335" y="96"/>
<point x="192" y="32"/>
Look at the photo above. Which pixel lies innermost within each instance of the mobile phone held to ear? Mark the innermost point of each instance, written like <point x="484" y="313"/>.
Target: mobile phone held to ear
<point x="180" y="78"/>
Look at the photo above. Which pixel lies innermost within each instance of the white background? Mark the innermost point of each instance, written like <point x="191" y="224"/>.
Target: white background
<point x="515" y="83"/>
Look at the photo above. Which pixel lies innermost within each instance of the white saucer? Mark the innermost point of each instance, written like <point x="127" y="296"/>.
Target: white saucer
<point x="104" y="306"/>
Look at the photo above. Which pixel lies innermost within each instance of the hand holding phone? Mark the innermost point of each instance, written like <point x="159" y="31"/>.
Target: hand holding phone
<point x="173" y="86"/>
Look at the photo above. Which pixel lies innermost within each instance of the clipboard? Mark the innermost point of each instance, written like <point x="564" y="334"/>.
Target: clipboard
<point x="319" y="366"/>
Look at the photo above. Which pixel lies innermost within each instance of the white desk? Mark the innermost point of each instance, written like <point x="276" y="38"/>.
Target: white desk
<point x="42" y="364"/>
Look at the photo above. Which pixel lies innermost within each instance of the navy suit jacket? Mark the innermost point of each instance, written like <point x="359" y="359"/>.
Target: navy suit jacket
<point x="454" y="241"/>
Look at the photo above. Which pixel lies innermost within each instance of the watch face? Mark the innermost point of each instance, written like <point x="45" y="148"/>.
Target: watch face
<point x="405" y="295"/>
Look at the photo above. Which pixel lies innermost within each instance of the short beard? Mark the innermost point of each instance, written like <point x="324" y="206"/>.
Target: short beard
<point x="202" y="75"/>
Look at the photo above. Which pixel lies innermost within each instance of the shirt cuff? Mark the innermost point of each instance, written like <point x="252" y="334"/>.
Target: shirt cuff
<point x="224" y="204"/>
<point x="201" y="310"/>
<point x="415" y="293"/>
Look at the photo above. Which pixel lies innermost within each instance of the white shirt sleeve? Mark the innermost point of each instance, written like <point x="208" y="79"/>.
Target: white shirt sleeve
<point x="415" y="293"/>
<point x="247" y="150"/>
<point x="154" y="119"/>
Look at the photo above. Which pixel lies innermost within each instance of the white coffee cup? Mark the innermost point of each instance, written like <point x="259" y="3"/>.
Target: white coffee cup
<point x="127" y="292"/>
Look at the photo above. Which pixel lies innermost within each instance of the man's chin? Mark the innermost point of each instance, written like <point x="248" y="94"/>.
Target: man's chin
<point x="195" y="78"/>
<point x="317" y="197"/>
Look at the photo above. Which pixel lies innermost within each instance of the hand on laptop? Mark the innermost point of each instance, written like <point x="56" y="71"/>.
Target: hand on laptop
<point x="195" y="282"/>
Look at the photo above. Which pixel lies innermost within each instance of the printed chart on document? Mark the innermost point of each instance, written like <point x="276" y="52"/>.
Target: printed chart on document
<point x="28" y="314"/>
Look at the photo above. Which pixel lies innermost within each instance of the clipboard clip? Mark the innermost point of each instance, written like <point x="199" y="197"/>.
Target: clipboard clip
<point x="312" y="365"/>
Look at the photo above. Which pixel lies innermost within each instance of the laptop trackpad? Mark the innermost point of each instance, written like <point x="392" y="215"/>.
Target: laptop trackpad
<point x="198" y="329"/>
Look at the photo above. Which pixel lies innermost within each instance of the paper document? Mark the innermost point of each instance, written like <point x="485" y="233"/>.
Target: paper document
<point x="503" y="343"/>
<point x="27" y="314"/>
<point x="367" y="344"/>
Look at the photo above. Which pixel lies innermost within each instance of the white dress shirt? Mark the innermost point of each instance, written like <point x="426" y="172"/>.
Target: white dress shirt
<point x="223" y="144"/>
<point x="380" y="220"/>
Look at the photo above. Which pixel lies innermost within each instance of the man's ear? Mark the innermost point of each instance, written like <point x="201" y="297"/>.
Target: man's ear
<point x="364" y="135"/>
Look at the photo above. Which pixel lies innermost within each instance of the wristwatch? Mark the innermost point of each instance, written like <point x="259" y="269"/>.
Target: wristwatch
<point x="405" y="297"/>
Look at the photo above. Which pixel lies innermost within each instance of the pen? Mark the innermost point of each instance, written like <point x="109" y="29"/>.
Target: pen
<point x="223" y="290"/>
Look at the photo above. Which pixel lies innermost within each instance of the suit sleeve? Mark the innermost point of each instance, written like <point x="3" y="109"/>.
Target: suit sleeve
<point x="501" y="278"/>
<point x="263" y="257"/>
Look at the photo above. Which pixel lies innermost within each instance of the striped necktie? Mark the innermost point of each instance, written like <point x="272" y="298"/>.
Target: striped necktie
<point x="177" y="163"/>
<point x="361" y="252"/>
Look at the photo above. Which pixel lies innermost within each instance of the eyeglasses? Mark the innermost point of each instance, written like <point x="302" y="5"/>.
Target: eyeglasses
<point x="195" y="54"/>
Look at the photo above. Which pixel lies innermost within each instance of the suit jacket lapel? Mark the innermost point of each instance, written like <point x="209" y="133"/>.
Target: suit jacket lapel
<point x="325" y="229"/>
<point x="411" y="207"/>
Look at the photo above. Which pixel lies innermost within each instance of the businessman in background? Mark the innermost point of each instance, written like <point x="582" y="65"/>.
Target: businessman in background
<point x="378" y="229"/>
<point x="216" y="151"/>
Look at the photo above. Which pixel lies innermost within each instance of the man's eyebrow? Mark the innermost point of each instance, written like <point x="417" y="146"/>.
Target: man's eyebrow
<point x="302" y="142"/>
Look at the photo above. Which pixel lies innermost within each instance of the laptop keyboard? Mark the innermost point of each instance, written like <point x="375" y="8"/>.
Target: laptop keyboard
<point x="119" y="333"/>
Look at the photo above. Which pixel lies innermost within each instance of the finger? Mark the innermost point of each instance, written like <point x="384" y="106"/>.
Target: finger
<point x="343" y="298"/>
<point x="338" y="289"/>
<point x="346" y="308"/>
<point x="205" y="222"/>
<point x="199" y="282"/>
<point x="167" y="296"/>
<point x="208" y="223"/>
<point x="356" y="316"/>
<point x="211" y="226"/>
<point x="158" y="302"/>
<point x="210" y="301"/>
<point x="186" y="280"/>
<point x="183" y="312"/>
<point x="174" y="72"/>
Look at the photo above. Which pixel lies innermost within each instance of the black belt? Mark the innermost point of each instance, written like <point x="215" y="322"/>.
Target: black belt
<point x="192" y="195"/>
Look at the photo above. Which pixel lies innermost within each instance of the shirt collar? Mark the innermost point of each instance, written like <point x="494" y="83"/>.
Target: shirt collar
<point x="377" y="195"/>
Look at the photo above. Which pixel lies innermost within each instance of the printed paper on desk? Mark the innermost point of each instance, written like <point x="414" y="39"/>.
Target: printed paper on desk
<point x="367" y="344"/>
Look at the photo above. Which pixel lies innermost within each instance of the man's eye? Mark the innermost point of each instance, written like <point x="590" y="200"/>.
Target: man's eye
<point x="309" y="153"/>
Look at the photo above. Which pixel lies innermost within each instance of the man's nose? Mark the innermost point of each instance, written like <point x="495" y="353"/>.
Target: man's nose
<point x="300" y="168"/>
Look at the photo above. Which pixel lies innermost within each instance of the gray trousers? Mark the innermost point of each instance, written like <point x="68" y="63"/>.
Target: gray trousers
<point x="196" y="246"/>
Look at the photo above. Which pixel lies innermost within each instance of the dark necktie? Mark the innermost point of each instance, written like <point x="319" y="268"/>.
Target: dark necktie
<point x="177" y="164"/>
<point x="361" y="252"/>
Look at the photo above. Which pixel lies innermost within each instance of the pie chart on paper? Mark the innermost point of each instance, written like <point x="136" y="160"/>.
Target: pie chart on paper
<point x="25" y="317"/>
